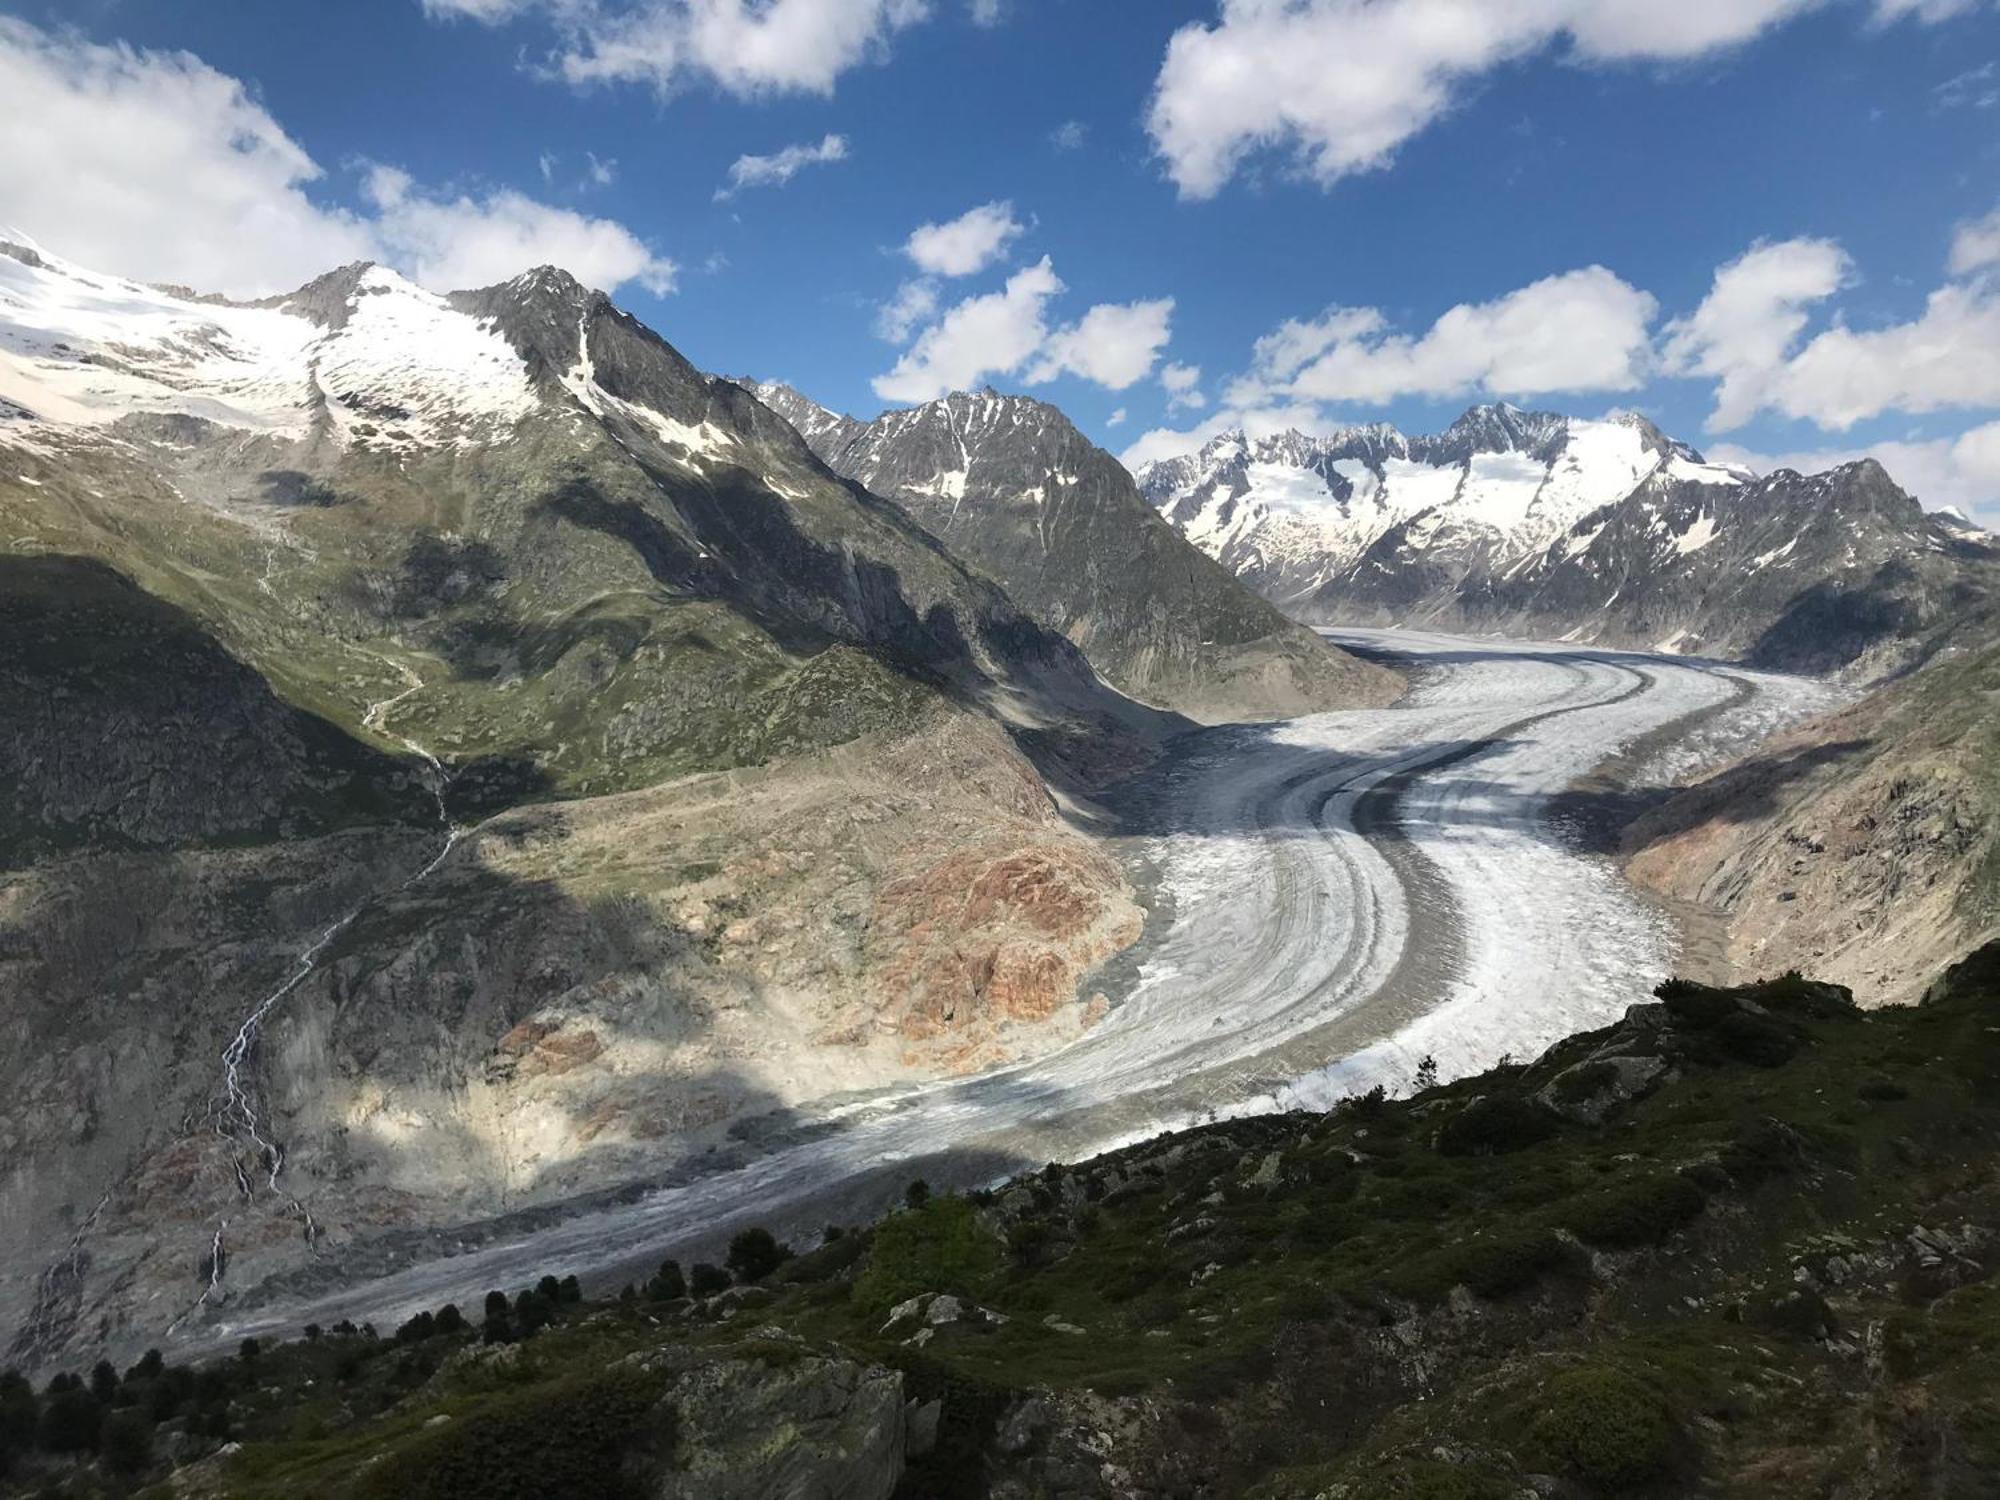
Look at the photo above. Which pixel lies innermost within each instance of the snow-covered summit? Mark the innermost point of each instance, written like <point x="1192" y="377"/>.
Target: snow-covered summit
<point x="361" y="354"/>
<point x="1292" y="511"/>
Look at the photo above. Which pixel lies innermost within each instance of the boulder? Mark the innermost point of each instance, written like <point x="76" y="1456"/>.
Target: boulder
<point x="772" y="1418"/>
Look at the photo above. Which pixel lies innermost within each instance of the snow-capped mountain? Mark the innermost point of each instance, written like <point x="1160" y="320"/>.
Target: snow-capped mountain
<point x="1010" y="485"/>
<point x="1292" y="513"/>
<point x="1537" y="524"/>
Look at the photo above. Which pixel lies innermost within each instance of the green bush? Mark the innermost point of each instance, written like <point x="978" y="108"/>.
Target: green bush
<point x="1603" y="1427"/>
<point x="705" y="1280"/>
<point x="755" y="1254"/>
<point x="1495" y="1125"/>
<point x="1643" y="1211"/>
<point x="1492" y="1266"/>
<point x="941" y="1247"/>
<point x="548" y="1442"/>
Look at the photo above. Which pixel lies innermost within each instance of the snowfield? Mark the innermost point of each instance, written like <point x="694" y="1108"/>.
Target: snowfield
<point x="1338" y="896"/>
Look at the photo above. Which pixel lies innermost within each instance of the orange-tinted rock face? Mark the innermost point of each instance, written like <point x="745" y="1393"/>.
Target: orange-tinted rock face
<point x="989" y="936"/>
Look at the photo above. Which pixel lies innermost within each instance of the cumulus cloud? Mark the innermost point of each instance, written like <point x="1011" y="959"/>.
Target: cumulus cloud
<point x="1116" y="419"/>
<point x="1339" y="85"/>
<point x="1114" y="344"/>
<point x="155" y="165"/>
<point x="912" y="305"/>
<point x="1180" y="382"/>
<point x="1581" y="331"/>
<point x="1746" y="334"/>
<point x="1745" y="327"/>
<point x="992" y="334"/>
<point x="1008" y="333"/>
<point x="780" y="167"/>
<point x="1976" y="246"/>
<point x="1960" y="472"/>
<point x="450" y="241"/>
<point x="745" y="47"/>
<point x="967" y="244"/>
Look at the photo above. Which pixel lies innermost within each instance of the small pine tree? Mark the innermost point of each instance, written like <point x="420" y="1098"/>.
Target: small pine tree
<point x="1427" y="1073"/>
<point x="549" y="1289"/>
<point x="569" y="1289"/>
<point x="150" y="1366"/>
<point x="917" y="1194"/>
<point x="311" y="1332"/>
<point x="667" y="1285"/>
<point x="249" y="1350"/>
<point x="755" y="1254"/>
<point x="104" y="1381"/>
<point x="450" y="1319"/>
<point x="496" y="1302"/>
<point x="706" y="1280"/>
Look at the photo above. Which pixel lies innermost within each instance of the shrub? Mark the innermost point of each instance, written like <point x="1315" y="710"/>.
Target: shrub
<point x="569" y="1290"/>
<point x="1604" y="1427"/>
<point x="127" y="1441"/>
<point x="1494" y="1125"/>
<point x="706" y="1280"/>
<point x="917" y="1194"/>
<point x="1643" y="1211"/>
<point x="450" y="1319"/>
<point x="496" y="1304"/>
<point x="249" y="1350"/>
<point x="549" y="1290"/>
<point x="941" y="1247"/>
<point x="550" y="1442"/>
<point x="417" y="1329"/>
<point x="1492" y="1265"/>
<point x="755" y="1254"/>
<point x="71" y="1419"/>
<point x="668" y="1284"/>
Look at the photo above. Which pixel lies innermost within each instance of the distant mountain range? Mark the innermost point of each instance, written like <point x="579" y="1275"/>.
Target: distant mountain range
<point x="1010" y="485"/>
<point x="1538" y="524"/>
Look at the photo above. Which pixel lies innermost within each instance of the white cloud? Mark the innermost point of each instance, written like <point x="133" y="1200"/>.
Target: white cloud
<point x="1745" y="327"/>
<point x="1007" y="333"/>
<point x="780" y="167"/>
<point x="1746" y="335"/>
<point x="1341" y="84"/>
<point x="1114" y="344"/>
<point x="1180" y="382"/>
<point x="993" y="334"/>
<point x="1962" y="472"/>
<point x="599" y="173"/>
<point x="1582" y="331"/>
<point x="1069" y="136"/>
<point x="912" y="305"/>
<point x="745" y="47"/>
<point x="1978" y="88"/>
<point x="447" y="242"/>
<point x="967" y="244"/>
<point x="1976" y="246"/>
<point x="1927" y="11"/>
<point x="988" y="12"/>
<point x="1947" y="358"/>
<point x="1116" y="419"/>
<point x="155" y="165"/>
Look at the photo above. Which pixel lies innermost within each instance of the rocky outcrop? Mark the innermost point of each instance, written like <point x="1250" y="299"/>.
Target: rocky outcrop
<point x="770" y="1418"/>
<point x="1861" y="846"/>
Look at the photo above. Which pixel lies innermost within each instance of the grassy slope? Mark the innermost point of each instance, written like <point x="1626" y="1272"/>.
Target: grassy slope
<point x="1765" y="1274"/>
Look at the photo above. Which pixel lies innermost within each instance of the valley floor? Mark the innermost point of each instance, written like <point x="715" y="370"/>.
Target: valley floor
<point x="1370" y="887"/>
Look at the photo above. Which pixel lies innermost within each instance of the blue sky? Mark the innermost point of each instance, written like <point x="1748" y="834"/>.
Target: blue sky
<point x="1386" y="159"/>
